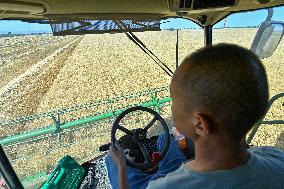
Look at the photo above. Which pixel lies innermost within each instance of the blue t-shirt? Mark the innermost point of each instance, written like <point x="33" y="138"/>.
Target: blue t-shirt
<point x="265" y="169"/>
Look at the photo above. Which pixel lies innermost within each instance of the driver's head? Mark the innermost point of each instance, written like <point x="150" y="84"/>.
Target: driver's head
<point x="219" y="90"/>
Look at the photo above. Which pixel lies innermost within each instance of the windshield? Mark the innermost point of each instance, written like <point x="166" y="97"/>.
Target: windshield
<point x="59" y="95"/>
<point x="58" y="79"/>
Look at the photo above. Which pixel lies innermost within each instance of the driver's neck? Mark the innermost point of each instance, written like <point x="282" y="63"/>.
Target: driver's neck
<point x="218" y="155"/>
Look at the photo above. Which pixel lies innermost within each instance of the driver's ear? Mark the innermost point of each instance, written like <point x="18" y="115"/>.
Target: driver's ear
<point x="201" y="124"/>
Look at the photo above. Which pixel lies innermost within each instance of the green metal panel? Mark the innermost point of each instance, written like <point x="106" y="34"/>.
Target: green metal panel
<point x="67" y="175"/>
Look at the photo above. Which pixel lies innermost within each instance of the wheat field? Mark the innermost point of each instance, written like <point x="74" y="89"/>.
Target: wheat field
<point x="43" y="73"/>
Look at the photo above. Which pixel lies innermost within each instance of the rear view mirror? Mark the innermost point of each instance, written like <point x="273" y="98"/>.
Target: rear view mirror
<point x="267" y="38"/>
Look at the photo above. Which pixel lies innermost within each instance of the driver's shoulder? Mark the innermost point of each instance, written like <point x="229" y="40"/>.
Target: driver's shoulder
<point x="171" y="180"/>
<point x="268" y="156"/>
<point x="268" y="152"/>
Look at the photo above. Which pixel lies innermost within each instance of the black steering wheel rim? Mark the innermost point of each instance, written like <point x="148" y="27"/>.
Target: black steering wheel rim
<point x="157" y="117"/>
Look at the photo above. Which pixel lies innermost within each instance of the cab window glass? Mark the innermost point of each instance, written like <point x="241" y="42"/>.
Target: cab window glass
<point x="48" y="80"/>
<point x="240" y="28"/>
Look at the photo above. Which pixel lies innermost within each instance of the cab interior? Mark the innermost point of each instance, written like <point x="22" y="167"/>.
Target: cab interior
<point x="79" y="18"/>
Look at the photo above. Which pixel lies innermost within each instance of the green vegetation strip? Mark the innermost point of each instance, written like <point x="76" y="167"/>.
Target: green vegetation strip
<point x="51" y="129"/>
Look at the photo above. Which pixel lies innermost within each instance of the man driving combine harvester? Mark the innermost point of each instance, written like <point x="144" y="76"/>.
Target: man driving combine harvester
<point x="66" y="98"/>
<point x="216" y="101"/>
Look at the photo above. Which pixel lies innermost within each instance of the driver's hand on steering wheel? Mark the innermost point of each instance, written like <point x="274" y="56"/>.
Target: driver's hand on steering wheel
<point x="117" y="154"/>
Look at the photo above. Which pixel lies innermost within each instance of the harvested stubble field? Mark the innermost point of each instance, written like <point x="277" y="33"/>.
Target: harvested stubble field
<point x="78" y="70"/>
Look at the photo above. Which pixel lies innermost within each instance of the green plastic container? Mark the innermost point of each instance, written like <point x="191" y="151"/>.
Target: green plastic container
<point x="67" y="175"/>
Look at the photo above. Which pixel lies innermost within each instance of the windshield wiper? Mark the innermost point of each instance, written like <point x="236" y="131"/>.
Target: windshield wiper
<point x="140" y="44"/>
<point x="143" y="47"/>
<point x="177" y="51"/>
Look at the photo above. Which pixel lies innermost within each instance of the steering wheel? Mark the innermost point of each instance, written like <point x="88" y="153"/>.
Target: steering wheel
<point x="139" y="135"/>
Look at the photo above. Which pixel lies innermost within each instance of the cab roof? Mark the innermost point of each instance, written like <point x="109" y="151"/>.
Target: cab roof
<point x="203" y="12"/>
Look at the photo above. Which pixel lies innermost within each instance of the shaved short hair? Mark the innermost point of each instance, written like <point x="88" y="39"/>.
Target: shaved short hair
<point x="230" y="83"/>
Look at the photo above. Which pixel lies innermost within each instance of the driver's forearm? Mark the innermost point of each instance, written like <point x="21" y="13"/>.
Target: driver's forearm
<point x="122" y="178"/>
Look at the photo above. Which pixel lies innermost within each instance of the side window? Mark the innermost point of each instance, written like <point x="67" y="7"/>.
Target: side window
<point x="240" y="29"/>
